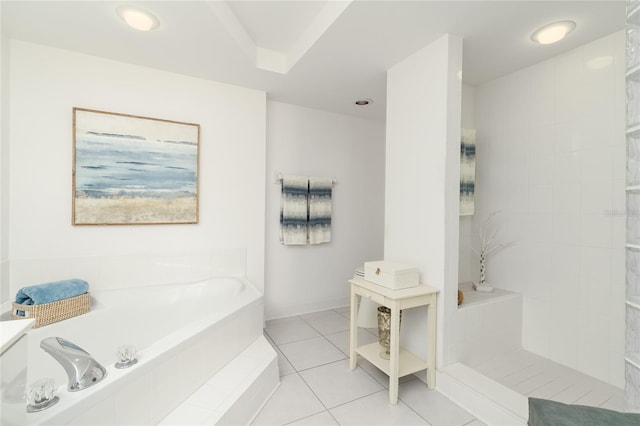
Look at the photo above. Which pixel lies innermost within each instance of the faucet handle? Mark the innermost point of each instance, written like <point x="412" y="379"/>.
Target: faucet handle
<point x="41" y="395"/>
<point x="126" y="356"/>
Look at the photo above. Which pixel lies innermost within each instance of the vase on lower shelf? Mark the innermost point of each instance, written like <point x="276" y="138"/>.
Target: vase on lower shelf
<point x="384" y="330"/>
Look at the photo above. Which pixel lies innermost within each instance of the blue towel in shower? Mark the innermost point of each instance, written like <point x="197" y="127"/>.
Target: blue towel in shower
<point x="51" y="292"/>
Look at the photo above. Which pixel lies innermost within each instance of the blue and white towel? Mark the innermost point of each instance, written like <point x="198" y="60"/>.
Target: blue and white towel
<point x="294" y="210"/>
<point x="320" y="210"/>
<point x="50" y="292"/>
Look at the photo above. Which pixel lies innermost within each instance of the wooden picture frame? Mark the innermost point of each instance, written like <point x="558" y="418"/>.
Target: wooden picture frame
<point x="133" y="170"/>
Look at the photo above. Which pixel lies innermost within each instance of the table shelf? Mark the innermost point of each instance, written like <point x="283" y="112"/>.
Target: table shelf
<point x="408" y="362"/>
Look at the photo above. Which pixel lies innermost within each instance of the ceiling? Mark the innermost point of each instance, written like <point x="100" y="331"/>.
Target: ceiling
<point x="318" y="54"/>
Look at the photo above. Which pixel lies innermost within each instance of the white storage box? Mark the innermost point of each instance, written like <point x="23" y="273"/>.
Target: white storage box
<point x="391" y="275"/>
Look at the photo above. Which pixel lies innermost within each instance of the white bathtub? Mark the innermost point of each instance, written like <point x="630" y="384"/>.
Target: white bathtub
<point x="184" y="333"/>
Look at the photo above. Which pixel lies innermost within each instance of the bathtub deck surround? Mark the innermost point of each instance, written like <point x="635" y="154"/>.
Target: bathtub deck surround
<point x="180" y="351"/>
<point x="235" y="394"/>
<point x="13" y="370"/>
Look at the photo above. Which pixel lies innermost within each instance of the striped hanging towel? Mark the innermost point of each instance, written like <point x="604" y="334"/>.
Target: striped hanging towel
<point x="320" y="210"/>
<point x="293" y="210"/>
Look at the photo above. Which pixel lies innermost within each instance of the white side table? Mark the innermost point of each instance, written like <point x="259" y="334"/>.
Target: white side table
<point x="401" y="362"/>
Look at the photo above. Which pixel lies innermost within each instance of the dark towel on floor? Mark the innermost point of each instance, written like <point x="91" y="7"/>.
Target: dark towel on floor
<point x="543" y="412"/>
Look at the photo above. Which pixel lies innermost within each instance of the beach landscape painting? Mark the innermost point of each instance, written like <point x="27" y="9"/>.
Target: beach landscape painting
<point x="132" y="170"/>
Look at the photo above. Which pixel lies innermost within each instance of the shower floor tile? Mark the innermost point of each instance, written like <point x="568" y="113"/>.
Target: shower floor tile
<point x="534" y="376"/>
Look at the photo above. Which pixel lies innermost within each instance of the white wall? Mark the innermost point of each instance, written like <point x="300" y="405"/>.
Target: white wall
<point x="423" y="177"/>
<point x="551" y="152"/>
<point x="4" y="165"/>
<point x="46" y="83"/>
<point x="310" y="142"/>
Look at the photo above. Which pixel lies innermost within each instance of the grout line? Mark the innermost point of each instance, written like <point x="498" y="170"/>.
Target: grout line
<point x="299" y="340"/>
<point x="609" y="399"/>
<point x="358" y="398"/>
<point x="306" y="417"/>
<point x="411" y="408"/>
<point x="541" y="386"/>
<point x="321" y="365"/>
<point x="325" y="336"/>
<point x="333" y="417"/>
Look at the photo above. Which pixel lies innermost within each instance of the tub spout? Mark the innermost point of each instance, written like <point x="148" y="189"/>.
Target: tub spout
<point x="82" y="369"/>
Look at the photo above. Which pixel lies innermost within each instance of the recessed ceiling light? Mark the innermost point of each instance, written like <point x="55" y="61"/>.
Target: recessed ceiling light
<point x="138" y="19"/>
<point x="552" y="33"/>
<point x="363" y="102"/>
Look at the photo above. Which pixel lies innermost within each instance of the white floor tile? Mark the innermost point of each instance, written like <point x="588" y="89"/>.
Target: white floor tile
<point x="321" y="419"/>
<point x="327" y="322"/>
<point x="341" y="339"/>
<point x="311" y="353"/>
<point x="336" y="384"/>
<point x="374" y="372"/>
<point x="475" y="422"/>
<point x="287" y="330"/>
<point x="343" y="310"/>
<point x="432" y="405"/>
<point x="376" y="410"/>
<point x="293" y="400"/>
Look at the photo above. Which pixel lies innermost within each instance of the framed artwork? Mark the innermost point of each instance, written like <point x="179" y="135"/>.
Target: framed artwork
<point x="132" y="170"/>
<point x="467" y="172"/>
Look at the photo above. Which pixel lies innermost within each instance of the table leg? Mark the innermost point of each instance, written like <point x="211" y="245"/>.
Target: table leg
<point x="394" y="350"/>
<point x="353" y="340"/>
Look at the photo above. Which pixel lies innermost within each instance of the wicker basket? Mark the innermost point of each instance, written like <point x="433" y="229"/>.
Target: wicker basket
<point x="49" y="313"/>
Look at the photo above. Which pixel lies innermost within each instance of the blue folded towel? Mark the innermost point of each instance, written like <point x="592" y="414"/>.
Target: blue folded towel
<point x="50" y="292"/>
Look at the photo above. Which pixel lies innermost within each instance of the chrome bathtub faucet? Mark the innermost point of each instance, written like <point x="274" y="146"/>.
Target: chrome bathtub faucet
<point x="83" y="371"/>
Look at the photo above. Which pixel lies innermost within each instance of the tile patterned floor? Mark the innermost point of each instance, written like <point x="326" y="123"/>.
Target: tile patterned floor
<point x="534" y="376"/>
<point x="318" y="388"/>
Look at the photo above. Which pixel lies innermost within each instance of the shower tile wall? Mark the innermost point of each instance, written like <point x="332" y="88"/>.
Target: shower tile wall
<point x="632" y="77"/>
<point x="551" y="158"/>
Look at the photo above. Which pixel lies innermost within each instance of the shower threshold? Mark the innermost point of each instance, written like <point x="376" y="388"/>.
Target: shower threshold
<point x="507" y="381"/>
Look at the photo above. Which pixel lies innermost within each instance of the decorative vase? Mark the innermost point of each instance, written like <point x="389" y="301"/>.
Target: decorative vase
<point x="384" y="330"/>
<point x="483" y="258"/>
<point x="482" y="285"/>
